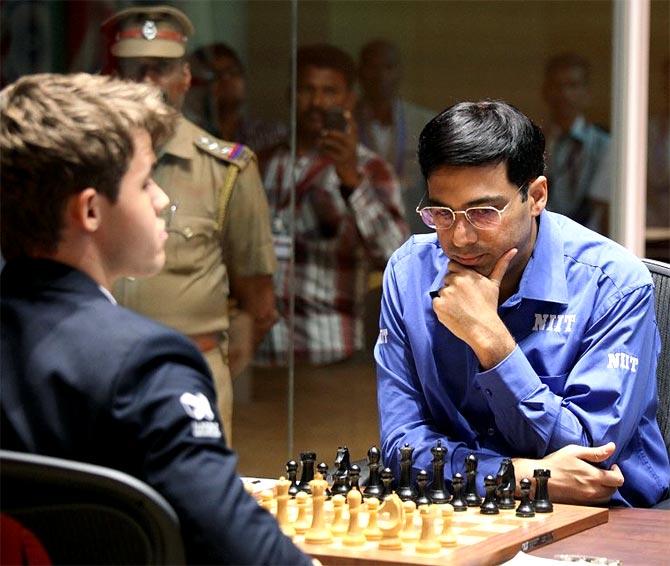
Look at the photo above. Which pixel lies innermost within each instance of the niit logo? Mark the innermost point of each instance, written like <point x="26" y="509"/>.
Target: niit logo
<point x="554" y="322"/>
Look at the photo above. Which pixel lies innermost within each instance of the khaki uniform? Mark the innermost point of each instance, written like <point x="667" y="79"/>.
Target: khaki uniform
<point x="191" y="293"/>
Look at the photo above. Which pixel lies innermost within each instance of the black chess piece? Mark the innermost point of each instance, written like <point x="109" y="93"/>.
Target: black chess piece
<point x="525" y="508"/>
<point x="405" y="490"/>
<point x="307" y="460"/>
<point x="340" y="483"/>
<point x="489" y="506"/>
<point x="506" y="484"/>
<point x="421" y="483"/>
<point x="542" y="503"/>
<point x="374" y="487"/>
<point x="471" y="495"/>
<point x="354" y="477"/>
<point x="292" y="474"/>
<point x="342" y="460"/>
<point x="322" y="468"/>
<point x="387" y="479"/>
<point x="438" y="491"/>
<point x="458" y="501"/>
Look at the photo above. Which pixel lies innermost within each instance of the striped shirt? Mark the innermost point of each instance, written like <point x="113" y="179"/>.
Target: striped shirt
<point x="337" y="241"/>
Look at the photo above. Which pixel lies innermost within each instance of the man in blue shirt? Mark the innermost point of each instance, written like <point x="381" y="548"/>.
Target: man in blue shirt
<point x="516" y="332"/>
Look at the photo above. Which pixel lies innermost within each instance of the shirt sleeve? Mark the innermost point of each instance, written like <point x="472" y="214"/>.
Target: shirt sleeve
<point x="377" y="209"/>
<point x="247" y="237"/>
<point x="403" y="411"/>
<point x="601" y="399"/>
<point x="166" y="407"/>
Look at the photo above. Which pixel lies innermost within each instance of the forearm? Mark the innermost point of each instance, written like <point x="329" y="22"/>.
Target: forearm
<point x="255" y="296"/>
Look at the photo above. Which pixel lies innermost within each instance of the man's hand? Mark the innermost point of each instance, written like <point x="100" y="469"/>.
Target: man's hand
<point x="574" y="478"/>
<point x="468" y="306"/>
<point x="341" y="148"/>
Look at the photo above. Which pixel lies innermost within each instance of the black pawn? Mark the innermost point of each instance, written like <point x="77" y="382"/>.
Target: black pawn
<point x="307" y="460"/>
<point x="374" y="487"/>
<point x="489" y="506"/>
<point x="387" y="479"/>
<point x="506" y="481"/>
<point x="471" y="495"/>
<point x="405" y="490"/>
<point x="322" y="469"/>
<point x="542" y="503"/>
<point x="340" y="484"/>
<point x="525" y="508"/>
<point x="458" y="501"/>
<point x="421" y="482"/>
<point x="354" y="477"/>
<point x="438" y="492"/>
<point x="292" y="474"/>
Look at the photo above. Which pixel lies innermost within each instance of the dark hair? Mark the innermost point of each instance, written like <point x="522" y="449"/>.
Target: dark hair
<point x="326" y="56"/>
<point x="207" y="54"/>
<point x="489" y="132"/>
<point x="568" y="61"/>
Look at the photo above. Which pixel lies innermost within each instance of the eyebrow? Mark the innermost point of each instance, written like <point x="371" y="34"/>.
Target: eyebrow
<point x="481" y="201"/>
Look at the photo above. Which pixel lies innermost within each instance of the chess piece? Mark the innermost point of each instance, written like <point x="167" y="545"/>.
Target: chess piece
<point x="405" y="490"/>
<point x="372" y="531"/>
<point x="489" y="506"/>
<point x="390" y="522"/>
<point x="307" y="460"/>
<point x="438" y="492"/>
<point x="340" y="524"/>
<point x="354" y="477"/>
<point x="542" y="504"/>
<point x="373" y="486"/>
<point x="506" y="484"/>
<point x="322" y="468"/>
<point x="428" y="542"/>
<point x="340" y="485"/>
<point x="525" y="508"/>
<point x="282" y="487"/>
<point x="421" y="482"/>
<point x="302" y="522"/>
<point x="292" y="474"/>
<point x="354" y="536"/>
<point x="387" y="479"/>
<point x="447" y="537"/>
<point x="409" y="532"/>
<point x="318" y="533"/>
<point x="342" y="460"/>
<point x="267" y="500"/>
<point x="471" y="495"/>
<point x="458" y="501"/>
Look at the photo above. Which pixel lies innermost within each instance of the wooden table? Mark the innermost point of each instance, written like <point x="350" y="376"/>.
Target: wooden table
<point x="634" y="536"/>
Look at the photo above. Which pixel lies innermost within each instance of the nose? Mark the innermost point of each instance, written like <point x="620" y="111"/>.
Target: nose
<point x="463" y="233"/>
<point x="159" y="199"/>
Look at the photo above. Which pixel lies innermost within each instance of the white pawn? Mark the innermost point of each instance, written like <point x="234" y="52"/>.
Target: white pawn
<point x="283" y="497"/>
<point x="409" y="533"/>
<point x="354" y="536"/>
<point x="340" y="523"/>
<point x="318" y="533"/>
<point x="428" y="543"/>
<point x="302" y="521"/>
<point x="447" y="538"/>
<point x="372" y="531"/>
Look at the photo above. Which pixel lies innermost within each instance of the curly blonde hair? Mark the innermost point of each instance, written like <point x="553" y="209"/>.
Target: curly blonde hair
<point x="60" y="134"/>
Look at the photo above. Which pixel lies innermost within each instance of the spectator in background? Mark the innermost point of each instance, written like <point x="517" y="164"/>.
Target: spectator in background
<point x="220" y="244"/>
<point x="390" y="125"/>
<point x="348" y="217"/>
<point x="217" y="102"/>
<point x="576" y="148"/>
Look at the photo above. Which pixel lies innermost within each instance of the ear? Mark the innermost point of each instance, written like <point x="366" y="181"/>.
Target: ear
<point x="84" y="210"/>
<point x="186" y="76"/>
<point x="537" y="195"/>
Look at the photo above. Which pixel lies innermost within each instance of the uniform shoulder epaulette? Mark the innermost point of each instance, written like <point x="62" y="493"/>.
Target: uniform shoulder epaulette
<point x="236" y="153"/>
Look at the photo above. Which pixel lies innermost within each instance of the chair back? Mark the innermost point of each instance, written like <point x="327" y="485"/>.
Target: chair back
<point x="660" y="273"/>
<point x="87" y="514"/>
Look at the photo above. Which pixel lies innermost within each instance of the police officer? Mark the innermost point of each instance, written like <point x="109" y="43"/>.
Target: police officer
<point x="220" y="243"/>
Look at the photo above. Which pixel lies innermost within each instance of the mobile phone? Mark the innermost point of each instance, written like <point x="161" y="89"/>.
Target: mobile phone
<point x="333" y="119"/>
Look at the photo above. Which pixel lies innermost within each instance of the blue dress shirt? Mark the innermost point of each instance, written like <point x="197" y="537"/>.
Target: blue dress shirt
<point x="583" y="371"/>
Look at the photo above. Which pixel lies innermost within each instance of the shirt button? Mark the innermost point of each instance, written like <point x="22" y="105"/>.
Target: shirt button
<point x="491" y="431"/>
<point x="489" y="392"/>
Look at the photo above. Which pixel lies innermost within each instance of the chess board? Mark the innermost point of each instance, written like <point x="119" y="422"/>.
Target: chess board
<point x="480" y="539"/>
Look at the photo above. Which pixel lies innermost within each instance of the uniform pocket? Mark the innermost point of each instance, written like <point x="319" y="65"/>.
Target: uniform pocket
<point x="191" y="242"/>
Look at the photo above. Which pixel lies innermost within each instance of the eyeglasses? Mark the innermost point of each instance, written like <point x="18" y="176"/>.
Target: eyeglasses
<point x="481" y="217"/>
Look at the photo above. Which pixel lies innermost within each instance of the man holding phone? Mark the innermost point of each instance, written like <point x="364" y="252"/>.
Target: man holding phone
<point x="348" y="216"/>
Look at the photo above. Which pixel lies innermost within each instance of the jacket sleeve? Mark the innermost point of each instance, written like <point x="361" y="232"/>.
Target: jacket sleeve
<point x="165" y="405"/>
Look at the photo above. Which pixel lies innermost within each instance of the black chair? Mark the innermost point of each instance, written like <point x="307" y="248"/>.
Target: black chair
<point x="660" y="273"/>
<point x="86" y="514"/>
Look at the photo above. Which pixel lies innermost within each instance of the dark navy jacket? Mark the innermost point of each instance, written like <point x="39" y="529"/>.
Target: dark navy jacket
<point x="88" y="380"/>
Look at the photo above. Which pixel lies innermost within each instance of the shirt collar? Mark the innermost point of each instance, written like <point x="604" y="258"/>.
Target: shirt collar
<point x="578" y="129"/>
<point x="181" y="143"/>
<point x="107" y="294"/>
<point x="543" y="278"/>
